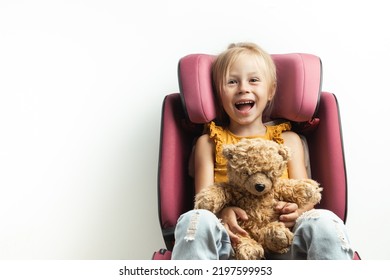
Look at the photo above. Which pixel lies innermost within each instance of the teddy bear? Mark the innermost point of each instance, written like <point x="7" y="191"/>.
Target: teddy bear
<point x="255" y="184"/>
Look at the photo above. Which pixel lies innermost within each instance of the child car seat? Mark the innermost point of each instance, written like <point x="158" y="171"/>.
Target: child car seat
<point x="298" y="99"/>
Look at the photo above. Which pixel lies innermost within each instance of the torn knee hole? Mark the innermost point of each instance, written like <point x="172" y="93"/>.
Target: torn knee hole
<point x="191" y="230"/>
<point x="343" y="240"/>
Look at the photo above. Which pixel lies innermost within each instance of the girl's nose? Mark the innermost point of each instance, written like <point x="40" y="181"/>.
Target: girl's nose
<point x="244" y="88"/>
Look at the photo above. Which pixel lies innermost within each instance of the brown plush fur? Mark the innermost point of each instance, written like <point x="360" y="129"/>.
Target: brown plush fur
<point x="254" y="169"/>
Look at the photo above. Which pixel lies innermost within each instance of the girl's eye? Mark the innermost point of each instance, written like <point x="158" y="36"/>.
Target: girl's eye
<point x="254" y="80"/>
<point x="231" y="82"/>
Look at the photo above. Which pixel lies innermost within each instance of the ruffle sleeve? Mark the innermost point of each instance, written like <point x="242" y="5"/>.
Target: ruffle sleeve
<point x="216" y="134"/>
<point x="276" y="131"/>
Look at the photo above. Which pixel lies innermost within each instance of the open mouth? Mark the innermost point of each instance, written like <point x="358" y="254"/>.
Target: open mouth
<point x="244" y="106"/>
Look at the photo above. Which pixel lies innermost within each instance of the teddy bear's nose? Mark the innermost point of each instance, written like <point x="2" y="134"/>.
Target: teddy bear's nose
<point x="259" y="187"/>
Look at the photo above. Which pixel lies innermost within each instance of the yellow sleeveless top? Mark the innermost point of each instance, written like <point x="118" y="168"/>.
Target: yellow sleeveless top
<point x="222" y="136"/>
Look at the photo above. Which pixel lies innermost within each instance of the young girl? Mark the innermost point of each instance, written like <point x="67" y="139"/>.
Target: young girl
<point x="244" y="79"/>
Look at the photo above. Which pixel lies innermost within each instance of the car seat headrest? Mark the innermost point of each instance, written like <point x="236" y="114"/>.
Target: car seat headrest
<point x="297" y="95"/>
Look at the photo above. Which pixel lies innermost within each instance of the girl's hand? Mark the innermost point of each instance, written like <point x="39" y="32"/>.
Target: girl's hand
<point x="289" y="213"/>
<point x="229" y="217"/>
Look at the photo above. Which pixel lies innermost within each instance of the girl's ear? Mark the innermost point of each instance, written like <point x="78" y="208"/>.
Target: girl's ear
<point x="272" y="91"/>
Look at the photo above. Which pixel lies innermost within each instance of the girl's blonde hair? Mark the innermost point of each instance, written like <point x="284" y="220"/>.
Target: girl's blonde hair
<point x="224" y="62"/>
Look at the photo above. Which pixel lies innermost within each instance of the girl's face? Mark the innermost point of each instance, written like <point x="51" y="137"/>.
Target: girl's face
<point x="246" y="91"/>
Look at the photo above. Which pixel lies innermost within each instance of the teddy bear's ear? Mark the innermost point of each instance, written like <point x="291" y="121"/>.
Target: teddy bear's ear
<point x="284" y="151"/>
<point x="228" y="151"/>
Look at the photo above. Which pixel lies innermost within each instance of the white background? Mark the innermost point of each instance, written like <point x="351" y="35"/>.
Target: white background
<point x="81" y="88"/>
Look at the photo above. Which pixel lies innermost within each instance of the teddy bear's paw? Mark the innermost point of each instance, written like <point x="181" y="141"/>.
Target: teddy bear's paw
<point x="249" y="251"/>
<point x="212" y="198"/>
<point x="279" y="241"/>
<point x="313" y="191"/>
<point x="203" y="202"/>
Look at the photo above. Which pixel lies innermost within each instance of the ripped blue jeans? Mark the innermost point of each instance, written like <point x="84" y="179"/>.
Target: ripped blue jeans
<point x="318" y="235"/>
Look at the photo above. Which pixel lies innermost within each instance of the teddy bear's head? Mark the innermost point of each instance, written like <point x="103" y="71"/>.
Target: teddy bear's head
<point x="254" y="164"/>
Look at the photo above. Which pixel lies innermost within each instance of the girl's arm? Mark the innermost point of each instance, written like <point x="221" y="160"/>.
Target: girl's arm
<point x="296" y="165"/>
<point x="289" y="212"/>
<point x="204" y="162"/>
